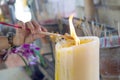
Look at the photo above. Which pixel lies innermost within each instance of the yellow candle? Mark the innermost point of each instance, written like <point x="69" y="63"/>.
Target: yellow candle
<point x="77" y="62"/>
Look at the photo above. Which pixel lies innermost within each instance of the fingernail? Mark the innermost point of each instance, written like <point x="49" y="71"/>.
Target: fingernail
<point x="40" y="29"/>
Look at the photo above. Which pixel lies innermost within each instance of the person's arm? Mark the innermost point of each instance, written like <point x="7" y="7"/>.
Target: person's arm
<point x="22" y="36"/>
<point x="4" y="43"/>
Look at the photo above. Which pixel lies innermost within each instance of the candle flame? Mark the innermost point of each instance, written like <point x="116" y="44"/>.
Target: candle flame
<point x="72" y="31"/>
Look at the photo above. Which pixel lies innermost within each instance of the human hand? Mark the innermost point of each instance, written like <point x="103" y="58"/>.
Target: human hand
<point x="23" y="36"/>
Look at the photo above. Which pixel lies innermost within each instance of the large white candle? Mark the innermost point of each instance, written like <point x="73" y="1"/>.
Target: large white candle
<point x="77" y="58"/>
<point x="77" y="62"/>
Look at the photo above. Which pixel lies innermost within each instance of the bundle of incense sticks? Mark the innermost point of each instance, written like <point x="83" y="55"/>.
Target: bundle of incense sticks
<point x="91" y="29"/>
<point x="45" y="33"/>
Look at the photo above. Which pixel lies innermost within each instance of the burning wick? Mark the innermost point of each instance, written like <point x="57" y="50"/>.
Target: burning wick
<point x="72" y="31"/>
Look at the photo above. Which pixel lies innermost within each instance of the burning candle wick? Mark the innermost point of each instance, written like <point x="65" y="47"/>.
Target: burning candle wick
<point x="72" y="31"/>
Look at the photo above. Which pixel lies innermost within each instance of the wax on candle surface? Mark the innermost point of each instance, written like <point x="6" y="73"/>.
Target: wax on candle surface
<point x="79" y="62"/>
<point x="77" y="58"/>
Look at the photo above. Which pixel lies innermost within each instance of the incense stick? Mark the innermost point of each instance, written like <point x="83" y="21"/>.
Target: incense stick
<point x="118" y="33"/>
<point x="93" y="29"/>
<point x="110" y="39"/>
<point x="12" y="25"/>
<point x="88" y="29"/>
<point x="100" y="32"/>
<point x="85" y="30"/>
<point x="58" y="35"/>
<point x="105" y="38"/>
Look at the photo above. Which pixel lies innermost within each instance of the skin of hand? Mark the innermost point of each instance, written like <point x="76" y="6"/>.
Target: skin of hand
<point x="24" y="36"/>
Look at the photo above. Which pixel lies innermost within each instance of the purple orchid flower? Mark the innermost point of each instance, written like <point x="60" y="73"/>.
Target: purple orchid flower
<point x="27" y="50"/>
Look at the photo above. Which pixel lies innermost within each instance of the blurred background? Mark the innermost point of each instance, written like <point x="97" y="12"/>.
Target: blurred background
<point x="102" y="15"/>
